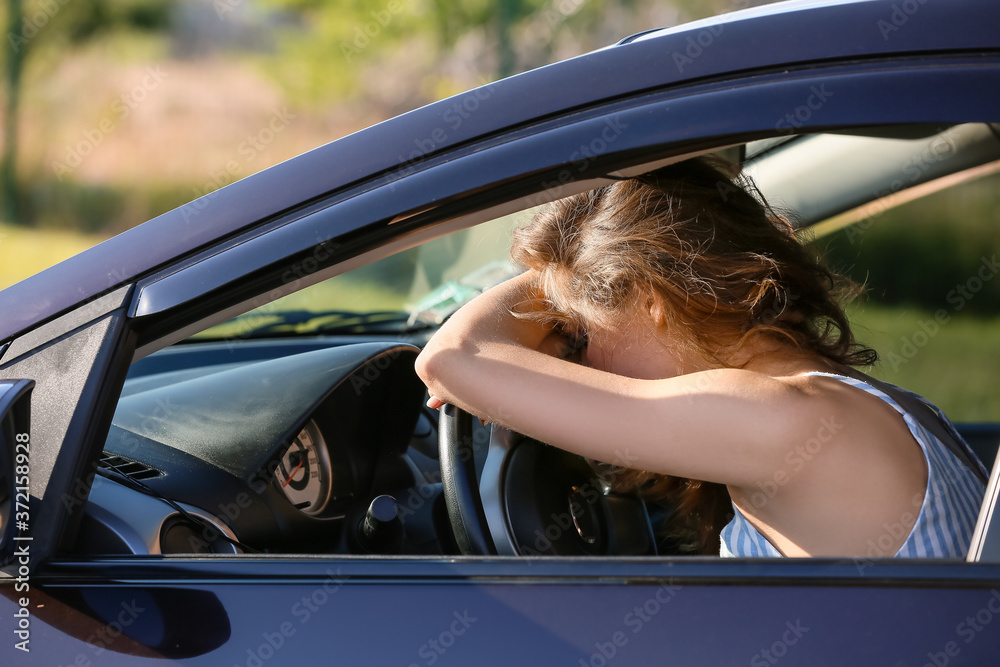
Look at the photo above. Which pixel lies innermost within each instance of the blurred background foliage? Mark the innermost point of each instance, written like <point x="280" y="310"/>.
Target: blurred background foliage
<point x="918" y="253"/>
<point x="93" y="142"/>
<point x="932" y="295"/>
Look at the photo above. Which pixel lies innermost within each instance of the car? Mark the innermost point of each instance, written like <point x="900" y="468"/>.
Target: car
<point x="215" y="449"/>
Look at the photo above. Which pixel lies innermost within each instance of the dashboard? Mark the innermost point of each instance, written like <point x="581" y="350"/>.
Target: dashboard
<point x="324" y="446"/>
<point x="277" y="447"/>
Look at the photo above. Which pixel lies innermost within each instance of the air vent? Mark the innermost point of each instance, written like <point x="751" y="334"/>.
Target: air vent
<point x="127" y="467"/>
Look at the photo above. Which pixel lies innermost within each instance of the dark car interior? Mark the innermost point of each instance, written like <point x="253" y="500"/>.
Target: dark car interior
<point x="316" y="446"/>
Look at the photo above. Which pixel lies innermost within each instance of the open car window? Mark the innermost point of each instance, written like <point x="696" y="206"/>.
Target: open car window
<point x="299" y="426"/>
<point x="410" y="290"/>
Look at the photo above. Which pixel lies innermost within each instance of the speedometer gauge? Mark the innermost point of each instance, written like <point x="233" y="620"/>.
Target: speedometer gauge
<point x="303" y="473"/>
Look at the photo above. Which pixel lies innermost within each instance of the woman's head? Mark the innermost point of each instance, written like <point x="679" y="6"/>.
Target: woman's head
<point x="691" y="254"/>
<point x="693" y="249"/>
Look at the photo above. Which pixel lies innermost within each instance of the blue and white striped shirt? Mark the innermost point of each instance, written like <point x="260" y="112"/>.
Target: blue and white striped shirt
<point x="948" y="513"/>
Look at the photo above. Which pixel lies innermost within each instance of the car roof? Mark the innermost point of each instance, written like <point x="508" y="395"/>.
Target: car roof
<point x="768" y="9"/>
<point x="781" y="34"/>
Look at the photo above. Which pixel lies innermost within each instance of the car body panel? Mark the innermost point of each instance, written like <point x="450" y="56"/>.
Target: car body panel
<point x="78" y="363"/>
<point x="503" y="612"/>
<point x="75" y="328"/>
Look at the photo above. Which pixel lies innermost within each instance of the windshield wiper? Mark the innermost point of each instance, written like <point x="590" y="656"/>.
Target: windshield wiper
<point x="386" y="321"/>
<point x="310" y="322"/>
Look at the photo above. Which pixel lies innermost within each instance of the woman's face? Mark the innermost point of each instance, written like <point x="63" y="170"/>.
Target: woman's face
<point x="635" y="350"/>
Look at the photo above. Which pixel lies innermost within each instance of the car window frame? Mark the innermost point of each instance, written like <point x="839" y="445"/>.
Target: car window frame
<point x="511" y="171"/>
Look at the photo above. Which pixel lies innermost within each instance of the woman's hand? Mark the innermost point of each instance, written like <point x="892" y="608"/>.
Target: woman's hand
<point x="493" y="318"/>
<point x="487" y="320"/>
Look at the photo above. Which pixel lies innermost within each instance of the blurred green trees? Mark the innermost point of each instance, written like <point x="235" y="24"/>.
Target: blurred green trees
<point x="52" y="29"/>
<point x="324" y="52"/>
<point x="341" y="64"/>
<point x="12" y="99"/>
<point x="924" y="253"/>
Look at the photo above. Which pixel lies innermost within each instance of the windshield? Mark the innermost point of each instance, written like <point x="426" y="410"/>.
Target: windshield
<point x="408" y="291"/>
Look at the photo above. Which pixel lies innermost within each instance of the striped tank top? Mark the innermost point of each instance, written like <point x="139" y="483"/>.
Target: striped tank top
<point x="947" y="516"/>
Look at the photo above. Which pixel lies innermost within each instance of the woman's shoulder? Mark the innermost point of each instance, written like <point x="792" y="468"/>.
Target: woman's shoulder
<point x="855" y="397"/>
<point x="858" y="423"/>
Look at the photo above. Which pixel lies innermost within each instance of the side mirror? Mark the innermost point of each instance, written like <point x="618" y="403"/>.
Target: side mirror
<point x="15" y="465"/>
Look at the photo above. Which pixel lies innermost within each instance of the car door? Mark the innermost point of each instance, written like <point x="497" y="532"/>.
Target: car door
<point x="259" y="609"/>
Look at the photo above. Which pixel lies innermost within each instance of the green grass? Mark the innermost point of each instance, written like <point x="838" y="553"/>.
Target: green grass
<point x="341" y="293"/>
<point x="24" y="251"/>
<point x="956" y="365"/>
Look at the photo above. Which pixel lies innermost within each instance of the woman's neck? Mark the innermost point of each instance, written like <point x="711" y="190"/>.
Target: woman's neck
<point x="777" y="358"/>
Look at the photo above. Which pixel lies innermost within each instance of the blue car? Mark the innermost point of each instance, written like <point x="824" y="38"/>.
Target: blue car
<point x="215" y="450"/>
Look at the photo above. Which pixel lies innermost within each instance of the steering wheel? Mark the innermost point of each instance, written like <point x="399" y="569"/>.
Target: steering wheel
<point x="458" y="482"/>
<point x="539" y="500"/>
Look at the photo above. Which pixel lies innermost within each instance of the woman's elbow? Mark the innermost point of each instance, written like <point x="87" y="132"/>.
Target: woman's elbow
<point x="433" y="362"/>
<point x="425" y="367"/>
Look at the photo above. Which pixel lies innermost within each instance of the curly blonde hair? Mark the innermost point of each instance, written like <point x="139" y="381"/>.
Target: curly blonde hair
<point x="696" y="243"/>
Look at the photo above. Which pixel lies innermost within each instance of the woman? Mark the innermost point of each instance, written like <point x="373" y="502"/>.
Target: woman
<point x="711" y="347"/>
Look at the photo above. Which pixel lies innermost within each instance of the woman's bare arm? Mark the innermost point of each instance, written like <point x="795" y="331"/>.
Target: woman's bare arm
<point x="716" y="425"/>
